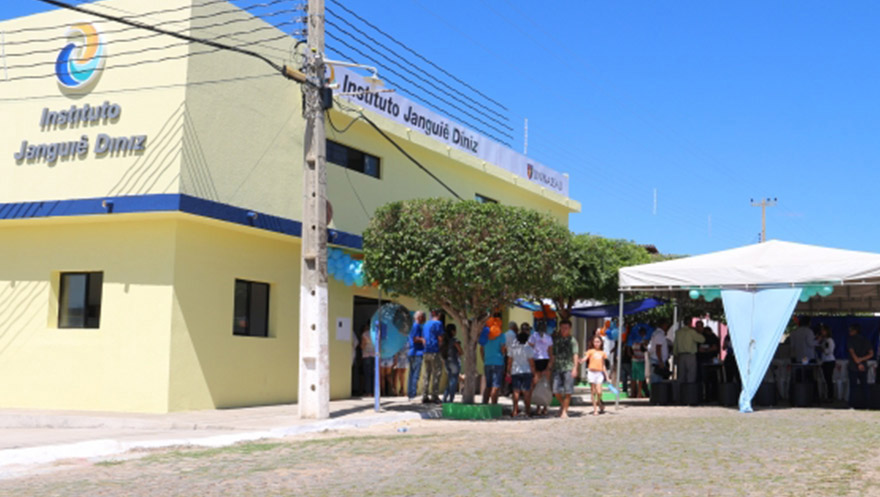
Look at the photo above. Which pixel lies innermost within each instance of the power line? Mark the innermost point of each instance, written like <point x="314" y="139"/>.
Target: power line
<point x="406" y="154"/>
<point x="401" y="88"/>
<point x="406" y="69"/>
<point x="417" y="85"/>
<point x="162" y="11"/>
<point x="161" y="23"/>
<point x="148" y="88"/>
<point x="210" y="43"/>
<point x="148" y="49"/>
<point x="420" y="56"/>
<point x="410" y="63"/>
<point x="154" y="35"/>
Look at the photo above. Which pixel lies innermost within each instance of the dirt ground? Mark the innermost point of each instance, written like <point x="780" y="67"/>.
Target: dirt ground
<point x="640" y="450"/>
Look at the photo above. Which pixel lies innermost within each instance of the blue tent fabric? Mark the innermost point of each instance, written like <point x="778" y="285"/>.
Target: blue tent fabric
<point x="527" y="304"/>
<point x="756" y="320"/>
<point x="840" y="331"/>
<point x="613" y="310"/>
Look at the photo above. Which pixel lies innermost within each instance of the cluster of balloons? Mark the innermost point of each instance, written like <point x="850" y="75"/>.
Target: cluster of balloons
<point x="389" y="327"/>
<point x="344" y="268"/>
<point x="612" y="332"/>
<point x="811" y="291"/>
<point x="709" y="294"/>
<point x="807" y="292"/>
<point x="494" y="325"/>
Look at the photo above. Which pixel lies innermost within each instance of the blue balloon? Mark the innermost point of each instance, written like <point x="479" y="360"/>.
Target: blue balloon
<point x="359" y="280"/>
<point x="393" y="321"/>
<point x="694" y="294"/>
<point x="612" y="332"/>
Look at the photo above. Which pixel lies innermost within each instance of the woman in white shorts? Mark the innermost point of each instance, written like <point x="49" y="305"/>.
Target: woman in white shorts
<point x="595" y="359"/>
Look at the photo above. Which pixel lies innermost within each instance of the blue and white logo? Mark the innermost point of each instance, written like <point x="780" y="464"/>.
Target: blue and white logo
<point x="80" y="63"/>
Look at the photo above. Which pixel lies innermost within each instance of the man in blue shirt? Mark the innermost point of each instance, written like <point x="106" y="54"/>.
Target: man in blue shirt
<point x="493" y="351"/>
<point x="415" y="351"/>
<point x="433" y="332"/>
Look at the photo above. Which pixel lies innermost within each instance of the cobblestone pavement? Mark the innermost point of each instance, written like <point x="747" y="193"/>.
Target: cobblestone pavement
<point x="638" y="451"/>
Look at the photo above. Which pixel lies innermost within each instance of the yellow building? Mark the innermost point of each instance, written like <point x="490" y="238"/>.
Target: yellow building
<point x="151" y="197"/>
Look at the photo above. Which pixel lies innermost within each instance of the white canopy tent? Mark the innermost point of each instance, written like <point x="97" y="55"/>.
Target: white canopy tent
<point x="773" y="265"/>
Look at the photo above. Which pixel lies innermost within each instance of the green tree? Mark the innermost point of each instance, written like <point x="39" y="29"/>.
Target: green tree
<point x="465" y="257"/>
<point x="593" y="271"/>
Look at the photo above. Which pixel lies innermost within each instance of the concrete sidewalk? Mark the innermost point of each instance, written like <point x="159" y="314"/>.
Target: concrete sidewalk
<point x="30" y="438"/>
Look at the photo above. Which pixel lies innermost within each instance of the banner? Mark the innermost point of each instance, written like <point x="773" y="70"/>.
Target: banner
<point x="412" y="115"/>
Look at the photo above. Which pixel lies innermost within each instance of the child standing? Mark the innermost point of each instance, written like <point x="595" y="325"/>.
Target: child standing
<point x="595" y="359"/>
<point x="521" y="369"/>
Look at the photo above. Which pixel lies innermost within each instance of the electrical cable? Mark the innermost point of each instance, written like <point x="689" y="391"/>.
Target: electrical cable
<point x="154" y="35"/>
<point x="346" y="128"/>
<point x="219" y="46"/>
<point x="146" y="88"/>
<point x="149" y="13"/>
<point x="405" y="47"/>
<point x="401" y="150"/>
<point x="417" y="85"/>
<point x="412" y="64"/>
<point x="428" y="81"/>
<point x="424" y="101"/>
<point x="148" y="61"/>
<point x="149" y="49"/>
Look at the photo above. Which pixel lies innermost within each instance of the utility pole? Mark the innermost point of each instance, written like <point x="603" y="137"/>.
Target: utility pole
<point x="314" y="341"/>
<point x="526" y="136"/>
<point x="763" y="204"/>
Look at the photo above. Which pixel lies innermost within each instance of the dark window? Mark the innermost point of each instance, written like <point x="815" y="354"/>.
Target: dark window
<point x="79" y="304"/>
<point x="484" y="200"/>
<point x="251" y="316"/>
<point x="347" y="157"/>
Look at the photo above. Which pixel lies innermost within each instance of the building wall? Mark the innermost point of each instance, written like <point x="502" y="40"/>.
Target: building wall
<point x="243" y="143"/>
<point x="150" y="95"/>
<point x="123" y="365"/>
<point x="212" y="368"/>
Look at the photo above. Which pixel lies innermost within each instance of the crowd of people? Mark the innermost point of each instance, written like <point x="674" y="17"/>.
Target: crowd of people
<point x="530" y="365"/>
<point x="807" y="347"/>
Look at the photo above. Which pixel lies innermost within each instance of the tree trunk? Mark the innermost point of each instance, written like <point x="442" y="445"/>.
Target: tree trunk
<point x="470" y="361"/>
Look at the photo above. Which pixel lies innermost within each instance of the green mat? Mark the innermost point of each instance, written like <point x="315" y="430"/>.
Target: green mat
<point x="471" y="411"/>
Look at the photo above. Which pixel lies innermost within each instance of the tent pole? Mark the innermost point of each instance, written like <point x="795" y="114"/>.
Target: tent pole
<point x="377" y="384"/>
<point x="619" y="353"/>
<point x="674" y="324"/>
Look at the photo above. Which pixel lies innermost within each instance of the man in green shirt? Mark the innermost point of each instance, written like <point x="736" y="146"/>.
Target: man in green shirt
<point x="563" y="366"/>
<point x="687" y="340"/>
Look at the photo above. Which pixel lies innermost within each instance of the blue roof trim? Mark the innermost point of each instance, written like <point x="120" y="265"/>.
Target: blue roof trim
<point x="169" y="202"/>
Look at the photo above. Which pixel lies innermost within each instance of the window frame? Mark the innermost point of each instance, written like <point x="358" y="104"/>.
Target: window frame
<point x="63" y="288"/>
<point x="249" y="305"/>
<point x="484" y="199"/>
<point x="347" y="166"/>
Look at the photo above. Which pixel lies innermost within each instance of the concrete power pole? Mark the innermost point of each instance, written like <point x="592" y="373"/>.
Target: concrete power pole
<point x="763" y="204"/>
<point x="314" y="352"/>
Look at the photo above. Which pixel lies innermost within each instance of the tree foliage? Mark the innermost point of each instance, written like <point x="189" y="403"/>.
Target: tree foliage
<point x="593" y="271"/>
<point x="465" y="257"/>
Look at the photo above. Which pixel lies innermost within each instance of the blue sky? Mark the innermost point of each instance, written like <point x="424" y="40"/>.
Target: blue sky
<point x="709" y="103"/>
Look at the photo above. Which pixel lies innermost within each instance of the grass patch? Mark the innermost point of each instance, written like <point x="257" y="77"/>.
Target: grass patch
<point x="109" y="463"/>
